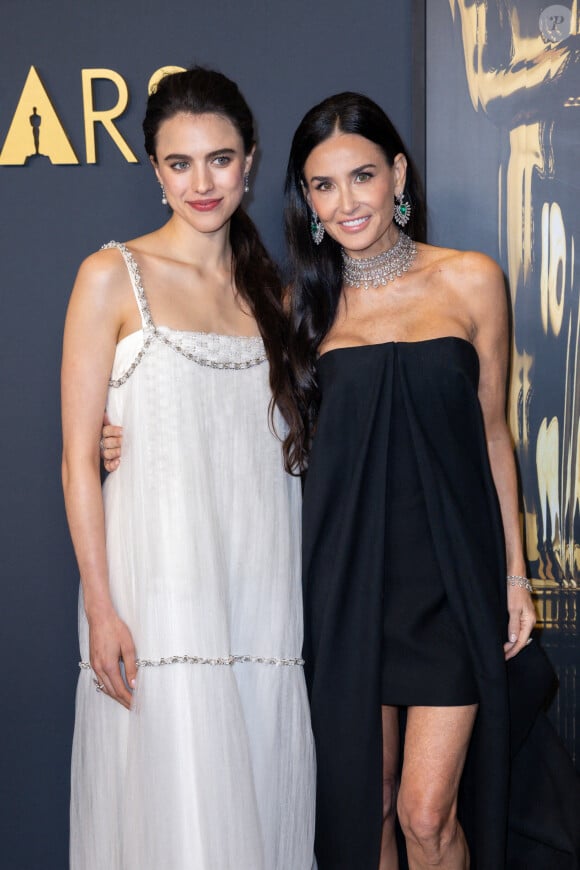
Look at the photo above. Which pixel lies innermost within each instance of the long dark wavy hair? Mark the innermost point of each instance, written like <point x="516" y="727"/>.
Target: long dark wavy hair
<point x="316" y="271"/>
<point x="198" y="91"/>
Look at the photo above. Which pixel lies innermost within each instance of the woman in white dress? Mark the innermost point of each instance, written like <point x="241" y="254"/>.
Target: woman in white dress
<point x="192" y="744"/>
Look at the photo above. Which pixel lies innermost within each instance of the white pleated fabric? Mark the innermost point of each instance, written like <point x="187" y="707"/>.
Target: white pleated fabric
<point x="213" y="768"/>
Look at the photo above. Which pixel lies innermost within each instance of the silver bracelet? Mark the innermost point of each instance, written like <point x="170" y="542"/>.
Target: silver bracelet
<point x="518" y="580"/>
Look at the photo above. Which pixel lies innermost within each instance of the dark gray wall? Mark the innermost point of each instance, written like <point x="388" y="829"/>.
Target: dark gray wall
<point x="285" y="56"/>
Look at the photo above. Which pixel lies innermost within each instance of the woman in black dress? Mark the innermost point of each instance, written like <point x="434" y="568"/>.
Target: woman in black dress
<point x="411" y="527"/>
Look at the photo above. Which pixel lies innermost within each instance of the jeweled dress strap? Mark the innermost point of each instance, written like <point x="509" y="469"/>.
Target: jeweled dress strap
<point x="136" y="283"/>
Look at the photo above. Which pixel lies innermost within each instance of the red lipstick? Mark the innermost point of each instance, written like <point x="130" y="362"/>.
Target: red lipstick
<point x="204" y="204"/>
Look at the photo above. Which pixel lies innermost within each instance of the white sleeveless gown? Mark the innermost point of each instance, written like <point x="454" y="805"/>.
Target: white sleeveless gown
<point x="213" y="768"/>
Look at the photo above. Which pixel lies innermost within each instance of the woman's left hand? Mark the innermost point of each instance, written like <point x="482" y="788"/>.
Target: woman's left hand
<point x="522" y="618"/>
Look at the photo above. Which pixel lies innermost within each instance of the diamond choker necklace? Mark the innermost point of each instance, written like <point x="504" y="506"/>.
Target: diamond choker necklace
<point x="379" y="270"/>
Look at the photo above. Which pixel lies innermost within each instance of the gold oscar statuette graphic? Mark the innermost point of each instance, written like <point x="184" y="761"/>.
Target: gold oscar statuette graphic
<point x="36" y="131"/>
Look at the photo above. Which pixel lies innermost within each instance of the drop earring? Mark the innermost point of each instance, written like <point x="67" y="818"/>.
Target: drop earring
<point x="246" y="182"/>
<point x="163" y="195"/>
<point x="402" y="213"/>
<point x="316" y="228"/>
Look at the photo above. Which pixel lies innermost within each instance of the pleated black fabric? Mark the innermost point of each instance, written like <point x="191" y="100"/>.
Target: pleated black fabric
<point x="425" y="655"/>
<point x="346" y="513"/>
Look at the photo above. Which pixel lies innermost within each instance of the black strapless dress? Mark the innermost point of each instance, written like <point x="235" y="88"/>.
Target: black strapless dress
<point x="404" y="584"/>
<point x="425" y="659"/>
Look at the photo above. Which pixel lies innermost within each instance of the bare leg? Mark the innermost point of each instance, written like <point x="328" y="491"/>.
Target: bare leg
<point x="389" y="857"/>
<point x="436" y="743"/>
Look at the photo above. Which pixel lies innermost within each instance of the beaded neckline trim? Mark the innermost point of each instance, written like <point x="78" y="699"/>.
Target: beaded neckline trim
<point x="377" y="271"/>
<point x="212" y="350"/>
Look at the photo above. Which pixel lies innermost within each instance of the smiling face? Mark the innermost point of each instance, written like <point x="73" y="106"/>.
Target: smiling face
<point x="351" y="186"/>
<point x="201" y="163"/>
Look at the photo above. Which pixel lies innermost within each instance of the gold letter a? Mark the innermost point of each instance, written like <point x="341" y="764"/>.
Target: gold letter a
<point x="35" y="131"/>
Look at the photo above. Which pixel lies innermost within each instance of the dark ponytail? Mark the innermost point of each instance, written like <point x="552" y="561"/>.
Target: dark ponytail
<point x="258" y="282"/>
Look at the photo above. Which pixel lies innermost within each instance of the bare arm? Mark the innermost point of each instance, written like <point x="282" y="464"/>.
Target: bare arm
<point x="93" y="321"/>
<point x="488" y="306"/>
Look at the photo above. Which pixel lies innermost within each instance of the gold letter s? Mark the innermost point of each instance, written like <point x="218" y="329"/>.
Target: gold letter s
<point x="160" y="73"/>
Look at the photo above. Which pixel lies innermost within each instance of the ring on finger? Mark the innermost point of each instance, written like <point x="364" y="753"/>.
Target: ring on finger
<point x="98" y="685"/>
<point x="102" y="444"/>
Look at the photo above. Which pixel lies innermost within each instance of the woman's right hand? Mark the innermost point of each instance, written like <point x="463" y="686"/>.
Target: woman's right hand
<point x="110" y="643"/>
<point x="111" y="440"/>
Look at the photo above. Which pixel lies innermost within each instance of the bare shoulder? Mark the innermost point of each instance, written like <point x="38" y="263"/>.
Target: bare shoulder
<point x="103" y="266"/>
<point x="151" y="244"/>
<point x="482" y="285"/>
<point x="474" y="278"/>
<point x="103" y="277"/>
<point x="464" y="267"/>
<point x="477" y="271"/>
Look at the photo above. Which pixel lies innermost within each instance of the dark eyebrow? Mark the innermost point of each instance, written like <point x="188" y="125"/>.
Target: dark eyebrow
<point x="354" y="172"/>
<point x="209" y="156"/>
<point x="362" y="168"/>
<point x="221" y="151"/>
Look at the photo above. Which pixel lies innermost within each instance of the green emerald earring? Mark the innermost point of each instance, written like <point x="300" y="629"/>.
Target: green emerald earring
<point x="402" y="212"/>
<point x="316" y="228"/>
